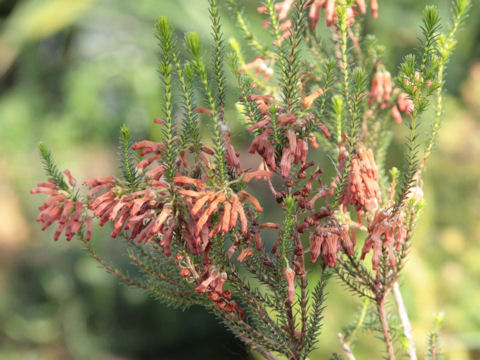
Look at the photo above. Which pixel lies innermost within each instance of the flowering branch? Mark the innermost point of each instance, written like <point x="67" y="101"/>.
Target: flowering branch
<point x="186" y="211"/>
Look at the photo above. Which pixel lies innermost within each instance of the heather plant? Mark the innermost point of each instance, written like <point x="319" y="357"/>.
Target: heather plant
<point x="183" y="206"/>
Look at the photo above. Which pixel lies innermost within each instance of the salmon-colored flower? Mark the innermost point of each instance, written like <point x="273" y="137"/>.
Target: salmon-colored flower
<point x="381" y="87"/>
<point x="330" y="7"/>
<point x="405" y="104"/>
<point x="328" y="240"/>
<point x="260" y="66"/>
<point x="227" y="205"/>
<point x="362" y="190"/>
<point x="262" y="145"/>
<point x="231" y="156"/>
<point x="61" y="207"/>
<point x="290" y="277"/>
<point x="310" y="99"/>
<point x="258" y="174"/>
<point x="396" y="114"/>
<point x="244" y="254"/>
<point x="141" y="212"/>
<point x="385" y="231"/>
<point x="213" y="281"/>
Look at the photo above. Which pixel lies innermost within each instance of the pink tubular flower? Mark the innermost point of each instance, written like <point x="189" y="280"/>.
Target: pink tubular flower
<point x="260" y="66"/>
<point x="139" y="212"/>
<point x="71" y="180"/>
<point x="61" y="208"/>
<point x="384" y="231"/>
<point x="405" y="104"/>
<point x="283" y="8"/>
<point x="396" y="114"/>
<point x="205" y="203"/>
<point x="330" y="7"/>
<point x="327" y="241"/>
<point x="362" y="7"/>
<point x="362" y="190"/>
<point x="374" y="7"/>
<point x="231" y="156"/>
<point x="290" y="277"/>
<point x="381" y="87"/>
<point x="310" y="99"/>
<point x="246" y="253"/>
<point x="214" y="281"/>
<point x="261" y="145"/>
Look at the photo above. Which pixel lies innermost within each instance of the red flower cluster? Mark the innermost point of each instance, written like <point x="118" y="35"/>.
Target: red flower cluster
<point x="62" y="207"/>
<point x="330" y="6"/>
<point x="381" y="92"/>
<point x="143" y="213"/>
<point x="404" y="104"/>
<point x="362" y="190"/>
<point x="288" y="124"/>
<point x="384" y="231"/>
<point x="327" y="240"/>
<point x="381" y="88"/>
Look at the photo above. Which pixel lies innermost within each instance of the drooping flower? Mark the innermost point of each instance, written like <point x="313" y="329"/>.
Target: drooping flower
<point x="327" y="240"/>
<point x="396" y="114"/>
<point x="63" y="208"/>
<point x="228" y="206"/>
<point x="289" y="127"/>
<point x="244" y="254"/>
<point x="231" y="156"/>
<point x="330" y="7"/>
<point x="290" y="277"/>
<point x="213" y="281"/>
<point x="385" y="231"/>
<point x="362" y="190"/>
<point x="142" y="212"/>
<point x="381" y="87"/>
<point x="310" y="99"/>
<point x="260" y="66"/>
<point x="405" y="104"/>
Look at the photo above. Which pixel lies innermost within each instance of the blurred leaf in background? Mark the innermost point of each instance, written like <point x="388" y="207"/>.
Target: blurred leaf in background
<point x="73" y="71"/>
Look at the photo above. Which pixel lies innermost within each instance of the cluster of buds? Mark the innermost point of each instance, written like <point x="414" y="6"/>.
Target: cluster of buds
<point x="362" y="190"/>
<point x="61" y="207"/>
<point x="385" y="231"/>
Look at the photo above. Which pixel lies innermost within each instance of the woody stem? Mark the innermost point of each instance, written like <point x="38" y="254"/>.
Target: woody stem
<point x="266" y="354"/>
<point x="386" y="330"/>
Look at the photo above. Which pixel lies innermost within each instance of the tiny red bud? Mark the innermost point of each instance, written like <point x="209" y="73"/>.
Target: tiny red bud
<point x="184" y="272"/>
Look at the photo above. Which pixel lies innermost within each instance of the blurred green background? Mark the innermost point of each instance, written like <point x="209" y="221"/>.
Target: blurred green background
<point x="73" y="71"/>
